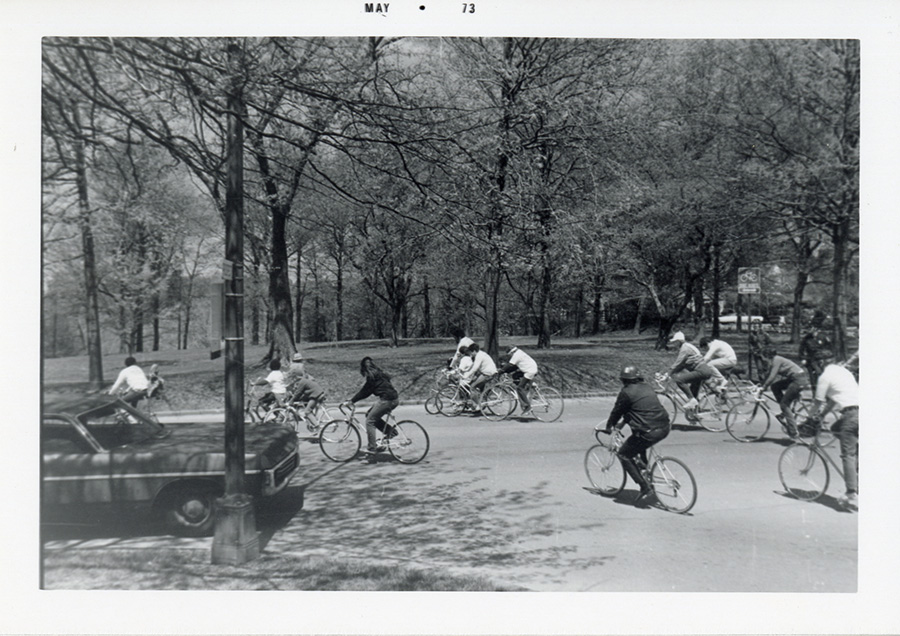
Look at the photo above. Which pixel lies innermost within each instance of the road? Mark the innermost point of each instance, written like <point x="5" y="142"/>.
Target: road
<point x="509" y="501"/>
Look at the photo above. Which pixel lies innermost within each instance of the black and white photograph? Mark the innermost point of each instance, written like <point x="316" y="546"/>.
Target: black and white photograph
<point x="551" y="314"/>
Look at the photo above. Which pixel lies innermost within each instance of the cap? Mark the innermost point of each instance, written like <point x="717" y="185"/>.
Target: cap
<point x="511" y="348"/>
<point x="298" y="357"/>
<point x="677" y="337"/>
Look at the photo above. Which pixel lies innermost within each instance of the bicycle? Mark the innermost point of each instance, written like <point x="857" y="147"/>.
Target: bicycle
<point x="709" y="412"/>
<point x="496" y="402"/>
<point x="299" y="418"/>
<point x="670" y="478"/>
<point x="341" y="439"/>
<point x="803" y="469"/>
<point x="749" y="421"/>
<point x="547" y="403"/>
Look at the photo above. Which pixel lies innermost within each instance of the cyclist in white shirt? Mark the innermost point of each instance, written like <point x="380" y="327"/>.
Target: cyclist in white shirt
<point x="524" y="368"/>
<point x="482" y="371"/>
<point x="133" y="379"/>
<point x="720" y="357"/>
<point x="463" y="343"/>
<point x="837" y="389"/>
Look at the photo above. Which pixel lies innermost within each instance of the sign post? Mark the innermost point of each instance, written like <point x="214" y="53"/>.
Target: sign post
<point x="748" y="283"/>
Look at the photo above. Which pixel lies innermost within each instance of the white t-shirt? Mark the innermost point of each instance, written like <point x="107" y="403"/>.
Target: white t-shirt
<point x="464" y="343"/>
<point x="838" y="385"/>
<point x="719" y="349"/>
<point x="483" y="364"/>
<point x="276" y="381"/>
<point x="132" y="378"/>
<point x="524" y="362"/>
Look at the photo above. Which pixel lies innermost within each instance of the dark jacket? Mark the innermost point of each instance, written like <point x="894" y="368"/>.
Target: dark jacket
<point x="380" y="386"/>
<point x="640" y="407"/>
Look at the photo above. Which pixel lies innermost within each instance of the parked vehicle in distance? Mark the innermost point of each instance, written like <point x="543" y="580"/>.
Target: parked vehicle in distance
<point x="99" y="452"/>
<point x="731" y="319"/>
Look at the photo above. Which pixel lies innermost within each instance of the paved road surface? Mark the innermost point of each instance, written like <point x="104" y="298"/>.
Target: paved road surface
<point x="508" y="500"/>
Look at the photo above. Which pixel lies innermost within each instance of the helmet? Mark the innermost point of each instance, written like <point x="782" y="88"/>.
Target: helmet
<point x="630" y="372"/>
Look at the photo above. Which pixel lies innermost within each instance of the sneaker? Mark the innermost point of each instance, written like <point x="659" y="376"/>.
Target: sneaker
<point x="691" y="404"/>
<point x="527" y="413"/>
<point x="644" y="498"/>
<point x="850" y="501"/>
<point x="373" y="451"/>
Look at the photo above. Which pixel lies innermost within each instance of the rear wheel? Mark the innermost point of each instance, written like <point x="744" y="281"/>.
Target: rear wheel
<point x="284" y="415"/>
<point x="546" y="403"/>
<point x="748" y="421"/>
<point x="498" y="403"/>
<point x="604" y="470"/>
<point x="339" y="441"/>
<point x="711" y="412"/>
<point x="433" y="404"/>
<point x="674" y="484"/>
<point x="803" y="472"/>
<point x="410" y="443"/>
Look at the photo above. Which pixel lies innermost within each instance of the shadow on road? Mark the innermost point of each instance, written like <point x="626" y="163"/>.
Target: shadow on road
<point x="825" y="500"/>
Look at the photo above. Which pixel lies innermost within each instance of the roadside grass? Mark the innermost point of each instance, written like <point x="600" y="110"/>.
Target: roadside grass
<point x="126" y="569"/>
<point x="577" y="367"/>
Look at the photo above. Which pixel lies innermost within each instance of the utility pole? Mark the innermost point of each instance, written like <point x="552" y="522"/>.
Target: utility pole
<point x="236" y="540"/>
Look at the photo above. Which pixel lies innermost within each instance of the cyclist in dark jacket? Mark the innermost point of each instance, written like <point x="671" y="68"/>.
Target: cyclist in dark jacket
<point x="378" y="383"/>
<point x="638" y="406"/>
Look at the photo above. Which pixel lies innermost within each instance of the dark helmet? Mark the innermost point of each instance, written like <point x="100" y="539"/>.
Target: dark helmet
<point x="630" y="372"/>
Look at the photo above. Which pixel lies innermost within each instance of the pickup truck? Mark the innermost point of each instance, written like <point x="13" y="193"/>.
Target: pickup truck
<point x="98" y="451"/>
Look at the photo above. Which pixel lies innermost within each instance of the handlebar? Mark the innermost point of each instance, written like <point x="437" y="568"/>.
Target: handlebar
<point x="350" y="406"/>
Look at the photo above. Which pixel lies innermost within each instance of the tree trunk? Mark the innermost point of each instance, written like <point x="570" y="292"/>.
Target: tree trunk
<point x="840" y="238"/>
<point x="339" y="299"/>
<point x="427" y="326"/>
<point x="92" y="304"/>
<point x="282" y="343"/>
<point x="642" y="301"/>
<point x="298" y="288"/>
<point x="155" y="322"/>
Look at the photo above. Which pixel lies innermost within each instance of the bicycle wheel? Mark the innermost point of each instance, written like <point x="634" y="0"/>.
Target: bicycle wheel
<point x="670" y="405"/>
<point x="604" y="470"/>
<point x="546" y="403"/>
<point x="498" y="403"/>
<point x="339" y="441"/>
<point x="674" y="484"/>
<point x="410" y="442"/>
<point x="450" y="401"/>
<point x="433" y="404"/>
<point x="711" y="413"/>
<point x="803" y="472"/>
<point x="284" y="415"/>
<point x="748" y="421"/>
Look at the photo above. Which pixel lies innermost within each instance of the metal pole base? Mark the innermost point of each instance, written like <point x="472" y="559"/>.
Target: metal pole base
<point x="236" y="540"/>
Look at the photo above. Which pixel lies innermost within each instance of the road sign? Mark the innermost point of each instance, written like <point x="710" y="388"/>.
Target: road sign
<point x="748" y="280"/>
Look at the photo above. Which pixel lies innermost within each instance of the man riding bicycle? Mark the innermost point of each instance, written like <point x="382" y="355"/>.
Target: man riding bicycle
<point x="689" y="370"/>
<point x="483" y="370"/>
<point x="524" y="368"/>
<point x="133" y="380"/>
<point x="638" y="406"/>
<point x="720" y="357"/>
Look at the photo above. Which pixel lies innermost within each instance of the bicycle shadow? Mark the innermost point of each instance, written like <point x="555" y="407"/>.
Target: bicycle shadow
<point x="825" y="500"/>
<point x="629" y="497"/>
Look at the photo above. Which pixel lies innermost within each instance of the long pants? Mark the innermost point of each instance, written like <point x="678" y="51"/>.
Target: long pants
<point x="132" y="397"/>
<point x="690" y="381"/>
<point x="477" y="387"/>
<point x="719" y="366"/>
<point x="786" y="392"/>
<point x="374" y="419"/>
<point x="849" y="436"/>
<point x="637" y="445"/>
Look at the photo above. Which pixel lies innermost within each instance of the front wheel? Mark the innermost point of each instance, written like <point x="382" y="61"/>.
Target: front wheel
<point x="498" y="403"/>
<point x="339" y="441"/>
<point x="803" y="472"/>
<point x="748" y="421"/>
<point x="546" y="403"/>
<point x="674" y="484"/>
<point x="433" y="404"/>
<point x="190" y="511"/>
<point x="712" y="411"/>
<point x="450" y="400"/>
<point x="409" y="443"/>
<point x="669" y="404"/>
<point x="604" y="470"/>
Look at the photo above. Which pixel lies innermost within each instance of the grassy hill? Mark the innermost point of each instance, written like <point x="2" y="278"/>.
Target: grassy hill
<point x="194" y="382"/>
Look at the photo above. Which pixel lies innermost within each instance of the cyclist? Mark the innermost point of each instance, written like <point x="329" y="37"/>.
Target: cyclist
<point x="378" y="383"/>
<point x="787" y="379"/>
<point x="133" y="380"/>
<point x="689" y="370"/>
<point x="837" y="389"/>
<point x="814" y="343"/>
<point x="276" y="381"/>
<point x="483" y="370"/>
<point x="524" y="368"/>
<point x="638" y="406"/>
<point x="307" y="392"/>
<point x="720" y="357"/>
<point x="463" y="343"/>
<point x="296" y="370"/>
